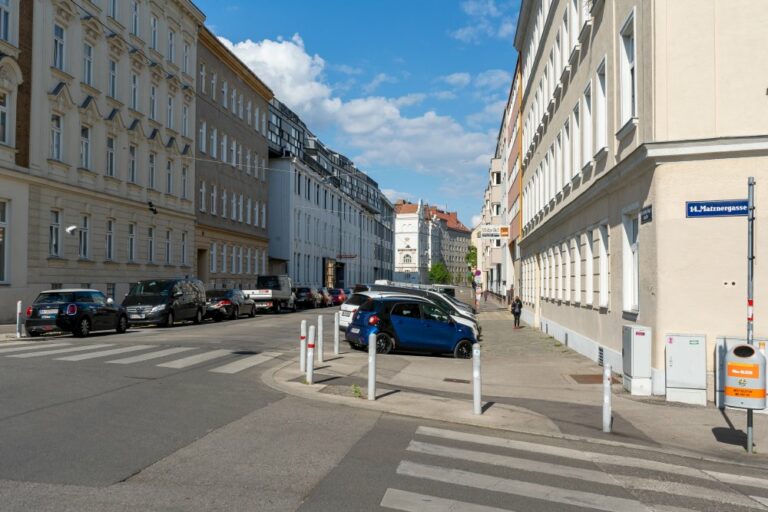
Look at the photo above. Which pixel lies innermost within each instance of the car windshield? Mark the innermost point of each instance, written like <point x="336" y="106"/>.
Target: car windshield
<point x="368" y="305"/>
<point x="215" y="294"/>
<point x="268" y="283"/>
<point x="334" y="292"/>
<point x="55" y="297"/>
<point x="357" y="299"/>
<point x="302" y="290"/>
<point x="162" y="288"/>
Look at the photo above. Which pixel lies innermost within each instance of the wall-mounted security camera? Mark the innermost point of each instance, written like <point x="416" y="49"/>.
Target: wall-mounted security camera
<point x="71" y="230"/>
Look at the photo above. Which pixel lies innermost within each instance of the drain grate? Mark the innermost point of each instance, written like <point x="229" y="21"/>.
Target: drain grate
<point x="596" y="378"/>
<point x="457" y="381"/>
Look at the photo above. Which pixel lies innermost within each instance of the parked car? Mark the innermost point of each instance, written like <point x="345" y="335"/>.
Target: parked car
<point x="348" y="292"/>
<point x="326" y="300"/>
<point x="79" y="311"/>
<point x="273" y="293"/>
<point x="229" y="304"/>
<point x="409" y="323"/>
<point x="307" y="298"/>
<point x="354" y="301"/>
<point x="165" y="301"/>
<point x="337" y="296"/>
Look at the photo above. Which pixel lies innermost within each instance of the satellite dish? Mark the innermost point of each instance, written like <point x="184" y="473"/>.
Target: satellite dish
<point x="71" y="230"/>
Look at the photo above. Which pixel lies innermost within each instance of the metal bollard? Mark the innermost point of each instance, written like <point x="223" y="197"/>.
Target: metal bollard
<point x="607" y="420"/>
<point x="477" y="382"/>
<point x="320" y="338"/>
<point x="371" y="366"/>
<point x="336" y="333"/>
<point x="18" y="320"/>
<point x="303" y="347"/>
<point x="311" y="355"/>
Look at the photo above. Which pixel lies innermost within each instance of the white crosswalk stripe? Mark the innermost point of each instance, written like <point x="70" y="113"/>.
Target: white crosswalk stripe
<point x="524" y="475"/>
<point x="36" y="347"/>
<point x="17" y="343"/>
<point x="104" y="353"/>
<point x="246" y="362"/>
<point x="196" y="359"/>
<point x="63" y="350"/>
<point x="151" y="355"/>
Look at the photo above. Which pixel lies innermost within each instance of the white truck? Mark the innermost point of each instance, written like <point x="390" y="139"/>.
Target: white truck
<point x="273" y="293"/>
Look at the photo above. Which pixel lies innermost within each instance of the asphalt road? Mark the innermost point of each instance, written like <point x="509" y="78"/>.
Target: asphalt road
<point x="178" y="420"/>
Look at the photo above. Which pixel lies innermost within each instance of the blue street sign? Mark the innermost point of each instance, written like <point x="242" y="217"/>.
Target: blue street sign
<point x="728" y="208"/>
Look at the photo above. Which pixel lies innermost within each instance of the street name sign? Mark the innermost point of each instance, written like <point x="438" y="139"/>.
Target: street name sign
<point x="727" y="208"/>
<point x="494" y="231"/>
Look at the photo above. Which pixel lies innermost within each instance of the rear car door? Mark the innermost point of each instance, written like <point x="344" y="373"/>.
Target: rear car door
<point x="439" y="330"/>
<point x="406" y="322"/>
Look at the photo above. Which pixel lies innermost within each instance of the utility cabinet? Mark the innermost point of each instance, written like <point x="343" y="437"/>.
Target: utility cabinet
<point x="686" y="368"/>
<point x="636" y="358"/>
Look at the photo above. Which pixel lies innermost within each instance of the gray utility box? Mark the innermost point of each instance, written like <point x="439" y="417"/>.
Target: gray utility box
<point x="636" y="356"/>
<point x="686" y="368"/>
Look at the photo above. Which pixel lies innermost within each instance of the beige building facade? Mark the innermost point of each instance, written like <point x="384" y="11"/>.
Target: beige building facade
<point x="632" y="109"/>
<point x="232" y="180"/>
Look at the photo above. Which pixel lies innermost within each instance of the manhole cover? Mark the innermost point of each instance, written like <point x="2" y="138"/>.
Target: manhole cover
<point x="596" y="378"/>
<point x="457" y="381"/>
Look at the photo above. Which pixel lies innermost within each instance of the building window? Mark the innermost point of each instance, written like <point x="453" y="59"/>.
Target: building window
<point x="256" y="210"/>
<point x="233" y="101"/>
<point x="151" y="171"/>
<point x="224" y="90"/>
<point x="213" y="86"/>
<point x="576" y="252"/>
<point x="203" y="193"/>
<point x="109" y="240"/>
<point x="112" y="8"/>
<point x="112" y="79"/>
<point x="233" y="153"/>
<point x="214" y="199"/>
<point x="224" y="258"/>
<point x="576" y="138"/>
<point x="4" y="241"/>
<point x="601" y="110"/>
<point x="4" y="128"/>
<point x="56" y="137"/>
<point x="58" y="47"/>
<point x="203" y="136"/>
<point x="603" y="261"/>
<point x="248" y="210"/>
<point x="183" y="247"/>
<point x="214" y="256"/>
<point x="153" y="102"/>
<point x="54" y="233"/>
<point x="85" y="147"/>
<point x="628" y="71"/>
<point x="631" y="262"/>
<point x="169" y="113"/>
<point x="185" y="120"/>
<point x="150" y="245"/>
<point x="134" y="91"/>
<point x="132" y="164"/>
<point x="185" y="59"/>
<point x="224" y="148"/>
<point x="184" y="179"/>
<point x="131" y="242"/>
<point x="586" y="127"/>
<point x="135" y="17"/>
<point x="88" y="64"/>
<point x="168" y="245"/>
<point x="589" y="271"/>
<point x="83" y="238"/>
<point x="214" y="142"/>
<point x="233" y="210"/>
<point x="5" y="23"/>
<point x="407" y="259"/>
<point x="111" y="287"/>
<point x="264" y="215"/>
<point x="202" y="78"/>
<point x="232" y="253"/>
<point x="172" y="46"/>
<point x="224" y="204"/>
<point x="153" y="33"/>
<point x="111" y="157"/>
<point x="169" y="177"/>
<point x="240" y="208"/>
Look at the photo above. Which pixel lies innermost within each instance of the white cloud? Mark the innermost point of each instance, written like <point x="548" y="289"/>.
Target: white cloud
<point x="410" y="99"/>
<point x="486" y="20"/>
<point x="393" y="195"/>
<point x="493" y="79"/>
<point x="445" y="95"/>
<point x="457" y="79"/>
<point x="377" y="81"/>
<point x="491" y="113"/>
<point x="348" y="70"/>
<point x="476" y="220"/>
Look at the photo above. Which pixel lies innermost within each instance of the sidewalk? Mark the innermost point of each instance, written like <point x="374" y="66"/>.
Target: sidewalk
<point x="532" y="384"/>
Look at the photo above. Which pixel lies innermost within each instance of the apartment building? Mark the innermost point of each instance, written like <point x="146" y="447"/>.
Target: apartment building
<point x="454" y="243"/>
<point x="633" y="110"/>
<point x="511" y="140"/>
<point x="492" y="252"/>
<point x="231" y="172"/>
<point x="104" y="140"/>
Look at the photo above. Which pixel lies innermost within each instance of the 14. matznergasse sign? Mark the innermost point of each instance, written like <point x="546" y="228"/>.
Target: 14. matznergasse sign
<point x="494" y="231"/>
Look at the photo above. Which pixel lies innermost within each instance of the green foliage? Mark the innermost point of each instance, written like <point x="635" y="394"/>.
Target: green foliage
<point x="356" y="391"/>
<point x="438" y="274"/>
<point x="471" y="257"/>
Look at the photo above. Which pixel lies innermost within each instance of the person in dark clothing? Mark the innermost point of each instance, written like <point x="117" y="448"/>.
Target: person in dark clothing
<point x="517" y="309"/>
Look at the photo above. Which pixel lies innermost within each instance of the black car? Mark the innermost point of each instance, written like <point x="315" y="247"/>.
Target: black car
<point x="165" y="301"/>
<point x="230" y="304"/>
<point x="77" y="311"/>
<point x="307" y="298"/>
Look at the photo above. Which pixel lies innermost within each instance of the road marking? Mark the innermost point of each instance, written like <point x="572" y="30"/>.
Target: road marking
<point x="151" y="355"/>
<point x="104" y="353"/>
<point x="21" y="349"/>
<point x="62" y="350"/>
<point x="196" y="359"/>
<point x="413" y="502"/>
<point x="589" y="475"/>
<point x="14" y="343"/>
<point x="246" y="362"/>
<point x="568" y="453"/>
<point x="519" y="488"/>
<point x="739" y="479"/>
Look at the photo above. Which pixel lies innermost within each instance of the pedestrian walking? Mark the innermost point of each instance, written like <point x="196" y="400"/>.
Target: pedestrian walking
<point x="485" y="296"/>
<point x="517" y="309"/>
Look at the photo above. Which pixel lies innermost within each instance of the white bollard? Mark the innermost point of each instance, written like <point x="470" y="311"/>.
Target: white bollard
<point x="477" y="382"/>
<point x="311" y="355"/>
<point x="18" y="320"/>
<point x="303" y="347"/>
<point x="320" y="338"/>
<point x="607" y="398"/>
<point x="336" y="333"/>
<point x="371" y="366"/>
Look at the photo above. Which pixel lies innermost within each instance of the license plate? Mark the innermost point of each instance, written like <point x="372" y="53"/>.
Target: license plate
<point x="48" y="317"/>
<point x="354" y="330"/>
<point x="49" y="311"/>
<point x="136" y="317"/>
<point x="346" y="313"/>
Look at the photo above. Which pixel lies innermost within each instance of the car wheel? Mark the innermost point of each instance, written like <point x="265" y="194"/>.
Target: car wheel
<point x="384" y="343"/>
<point x="294" y="308"/>
<point x="83" y="328"/>
<point x="235" y="314"/>
<point x="198" y="317"/>
<point x="33" y="334"/>
<point x="253" y="312"/>
<point x="169" y="320"/>
<point x="463" y="350"/>
<point x="276" y="308"/>
<point x="218" y="317"/>
<point x="122" y="324"/>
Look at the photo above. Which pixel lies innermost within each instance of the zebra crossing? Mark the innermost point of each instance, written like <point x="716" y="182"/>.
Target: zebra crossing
<point x="523" y="475"/>
<point x="176" y="358"/>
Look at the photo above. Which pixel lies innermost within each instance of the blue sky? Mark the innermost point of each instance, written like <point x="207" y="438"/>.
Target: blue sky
<point x="412" y="90"/>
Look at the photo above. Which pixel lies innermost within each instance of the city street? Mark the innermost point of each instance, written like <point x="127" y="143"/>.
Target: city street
<point x="180" y="419"/>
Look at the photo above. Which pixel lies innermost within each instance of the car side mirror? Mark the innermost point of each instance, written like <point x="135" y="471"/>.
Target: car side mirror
<point x="110" y="301"/>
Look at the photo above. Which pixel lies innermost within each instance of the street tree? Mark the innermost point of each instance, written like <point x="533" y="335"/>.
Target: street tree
<point x="438" y="274"/>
